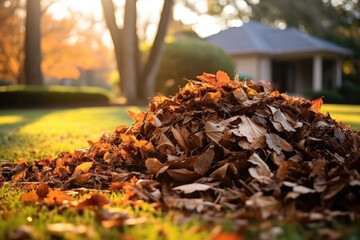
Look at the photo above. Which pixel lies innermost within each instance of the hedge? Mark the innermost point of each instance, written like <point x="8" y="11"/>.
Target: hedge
<point x="348" y="93"/>
<point x="188" y="58"/>
<point x="39" y="96"/>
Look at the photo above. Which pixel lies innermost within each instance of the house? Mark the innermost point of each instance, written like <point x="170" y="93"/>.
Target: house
<point x="292" y="60"/>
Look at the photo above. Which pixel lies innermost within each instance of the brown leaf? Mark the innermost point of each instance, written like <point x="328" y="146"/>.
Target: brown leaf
<point x="240" y="95"/>
<point x="19" y="176"/>
<point x="94" y="200"/>
<point x="214" y="131"/>
<point x="222" y="172"/>
<point x="192" y="187"/>
<point x="154" y="165"/>
<point x="185" y="203"/>
<point x="42" y="190"/>
<point x="277" y="143"/>
<point x="182" y="175"/>
<point x="255" y="159"/>
<point x="83" y="178"/>
<point x="281" y="118"/>
<point x="203" y="162"/>
<point x="264" y="206"/>
<point x="178" y="137"/>
<point x="165" y="145"/>
<point x="247" y="128"/>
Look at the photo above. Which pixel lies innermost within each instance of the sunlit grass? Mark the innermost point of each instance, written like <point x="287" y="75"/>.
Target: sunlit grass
<point x="10" y="119"/>
<point x="348" y="114"/>
<point x="39" y="133"/>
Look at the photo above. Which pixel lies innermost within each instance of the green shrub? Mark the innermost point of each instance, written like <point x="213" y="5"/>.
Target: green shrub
<point x="188" y="58"/>
<point x="5" y="82"/>
<point x="351" y="92"/>
<point x="37" y="96"/>
<point x="330" y="96"/>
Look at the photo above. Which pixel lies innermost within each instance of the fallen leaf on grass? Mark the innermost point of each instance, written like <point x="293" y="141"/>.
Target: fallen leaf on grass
<point x="43" y="190"/>
<point x="29" y="197"/>
<point x="57" y="198"/>
<point x="93" y="200"/>
<point x="227" y="236"/>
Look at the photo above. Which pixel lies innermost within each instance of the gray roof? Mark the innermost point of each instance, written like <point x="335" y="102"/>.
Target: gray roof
<point x="254" y="37"/>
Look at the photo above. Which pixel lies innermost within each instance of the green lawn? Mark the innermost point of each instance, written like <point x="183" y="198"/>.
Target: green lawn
<point x="349" y="114"/>
<point x="39" y="133"/>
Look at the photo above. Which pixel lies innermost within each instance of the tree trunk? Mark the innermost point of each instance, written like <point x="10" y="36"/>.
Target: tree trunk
<point x="32" y="64"/>
<point x="153" y="62"/>
<point x="136" y="82"/>
<point x="129" y="53"/>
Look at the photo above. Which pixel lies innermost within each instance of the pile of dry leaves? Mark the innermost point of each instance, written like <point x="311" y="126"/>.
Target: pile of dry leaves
<point x="220" y="145"/>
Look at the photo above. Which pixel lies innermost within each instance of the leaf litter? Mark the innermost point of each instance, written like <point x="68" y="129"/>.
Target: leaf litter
<point x="217" y="145"/>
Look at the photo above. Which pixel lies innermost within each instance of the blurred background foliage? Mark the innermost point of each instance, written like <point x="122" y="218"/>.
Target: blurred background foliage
<point x="76" y="48"/>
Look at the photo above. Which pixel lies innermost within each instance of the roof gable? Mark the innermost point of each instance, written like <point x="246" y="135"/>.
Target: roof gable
<point x="254" y="37"/>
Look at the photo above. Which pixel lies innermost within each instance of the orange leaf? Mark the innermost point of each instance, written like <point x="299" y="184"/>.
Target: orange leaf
<point x="23" y="161"/>
<point x="222" y="78"/>
<point x="227" y="236"/>
<point x="207" y="78"/>
<point x="275" y="93"/>
<point x="19" y="176"/>
<point x="137" y="116"/>
<point x="57" y="197"/>
<point x="95" y="200"/>
<point x="316" y="104"/>
<point x="29" y="197"/>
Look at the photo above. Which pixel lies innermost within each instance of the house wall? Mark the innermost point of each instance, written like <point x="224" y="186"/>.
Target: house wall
<point x="248" y="65"/>
<point x="259" y="67"/>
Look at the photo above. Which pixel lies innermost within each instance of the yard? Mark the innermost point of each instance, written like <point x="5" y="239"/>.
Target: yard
<point x="39" y="133"/>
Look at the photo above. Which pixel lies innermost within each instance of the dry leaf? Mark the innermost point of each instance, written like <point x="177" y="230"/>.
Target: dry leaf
<point x="203" y="162"/>
<point x="316" y="104"/>
<point x="277" y="143"/>
<point x="192" y="187"/>
<point x="94" y="200"/>
<point x="82" y="168"/>
<point x="29" y="197"/>
<point x="214" y="131"/>
<point x="247" y="128"/>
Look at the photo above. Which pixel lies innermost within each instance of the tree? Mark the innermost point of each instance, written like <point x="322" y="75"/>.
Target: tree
<point x="70" y="46"/>
<point x="32" y="64"/>
<point x="11" y="41"/>
<point x="137" y="81"/>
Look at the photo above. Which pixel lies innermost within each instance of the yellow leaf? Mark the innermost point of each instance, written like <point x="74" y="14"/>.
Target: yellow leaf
<point x="83" y="168"/>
